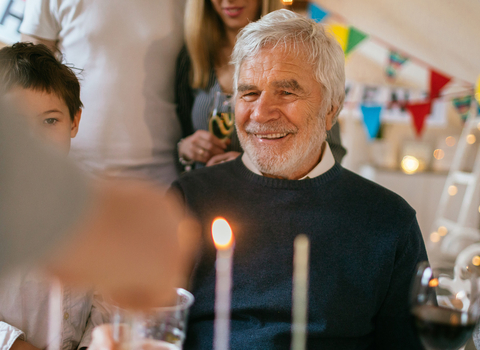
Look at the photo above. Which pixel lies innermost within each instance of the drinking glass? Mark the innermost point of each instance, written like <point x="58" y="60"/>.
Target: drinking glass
<point x="444" y="306"/>
<point x="162" y="328"/>
<point x="222" y="121"/>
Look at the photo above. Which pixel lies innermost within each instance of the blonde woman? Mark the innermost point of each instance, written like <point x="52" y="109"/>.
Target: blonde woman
<point x="203" y="68"/>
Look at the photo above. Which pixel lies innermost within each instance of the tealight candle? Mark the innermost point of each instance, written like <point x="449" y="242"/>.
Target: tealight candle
<point x="301" y="252"/>
<point x="224" y="243"/>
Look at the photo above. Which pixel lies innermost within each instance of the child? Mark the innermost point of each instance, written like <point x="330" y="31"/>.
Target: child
<point x="37" y="87"/>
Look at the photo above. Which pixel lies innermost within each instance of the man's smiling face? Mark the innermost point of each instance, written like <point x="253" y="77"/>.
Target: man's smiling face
<point x="278" y="113"/>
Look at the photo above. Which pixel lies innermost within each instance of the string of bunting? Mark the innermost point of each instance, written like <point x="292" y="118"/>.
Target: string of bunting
<point x="349" y="37"/>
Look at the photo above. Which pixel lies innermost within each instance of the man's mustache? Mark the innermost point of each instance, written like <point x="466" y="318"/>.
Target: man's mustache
<point x="274" y="126"/>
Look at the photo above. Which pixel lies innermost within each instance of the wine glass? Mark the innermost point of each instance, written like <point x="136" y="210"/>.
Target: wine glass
<point x="222" y="121"/>
<point x="444" y="306"/>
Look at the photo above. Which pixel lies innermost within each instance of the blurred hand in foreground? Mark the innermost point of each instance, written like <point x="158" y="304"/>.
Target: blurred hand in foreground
<point x="102" y="338"/>
<point x="134" y="244"/>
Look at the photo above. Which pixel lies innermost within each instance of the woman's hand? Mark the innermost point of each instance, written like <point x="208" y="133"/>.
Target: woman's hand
<point x="224" y="157"/>
<point x="201" y="146"/>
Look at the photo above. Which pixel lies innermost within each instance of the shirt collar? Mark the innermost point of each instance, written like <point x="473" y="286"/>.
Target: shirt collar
<point x="325" y="164"/>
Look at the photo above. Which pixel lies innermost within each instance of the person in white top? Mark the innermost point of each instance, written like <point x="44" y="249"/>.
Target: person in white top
<point x="126" y="50"/>
<point x="45" y="93"/>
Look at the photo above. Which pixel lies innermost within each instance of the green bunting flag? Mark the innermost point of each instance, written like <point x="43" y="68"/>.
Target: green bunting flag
<point x="395" y="61"/>
<point x="355" y="36"/>
<point x="462" y="106"/>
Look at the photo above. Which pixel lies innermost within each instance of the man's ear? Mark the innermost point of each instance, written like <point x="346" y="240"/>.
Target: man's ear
<point x="329" y="117"/>
<point x="75" y="123"/>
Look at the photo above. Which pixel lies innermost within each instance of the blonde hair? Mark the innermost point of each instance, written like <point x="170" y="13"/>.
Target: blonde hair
<point x="205" y="34"/>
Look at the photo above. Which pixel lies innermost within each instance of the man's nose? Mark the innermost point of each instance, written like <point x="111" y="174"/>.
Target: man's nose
<point x="265" y="109"/>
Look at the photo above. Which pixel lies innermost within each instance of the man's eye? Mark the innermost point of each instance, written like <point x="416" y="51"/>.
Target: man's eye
<point x="50" y="121"/>
<point x="286" y="93"/>
<point x="249" y="96"/>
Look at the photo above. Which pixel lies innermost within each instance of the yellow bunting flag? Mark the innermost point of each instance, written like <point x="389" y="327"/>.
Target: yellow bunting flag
<point x="340" y="32"/>
<point x="477" y="90"/>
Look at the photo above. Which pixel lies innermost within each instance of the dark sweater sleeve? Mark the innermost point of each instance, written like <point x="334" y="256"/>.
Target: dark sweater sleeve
<point x="183" y="93"/>
<point x="394" y="329"/>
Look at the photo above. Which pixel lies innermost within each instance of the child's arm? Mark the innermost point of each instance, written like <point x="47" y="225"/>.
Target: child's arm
<point x="11" y="338"/>
<point x="22" y="345"/>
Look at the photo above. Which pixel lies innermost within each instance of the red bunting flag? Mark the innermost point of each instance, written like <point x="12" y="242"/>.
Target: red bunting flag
<point x="437" y="82"/>
<point x="419" y="112"/>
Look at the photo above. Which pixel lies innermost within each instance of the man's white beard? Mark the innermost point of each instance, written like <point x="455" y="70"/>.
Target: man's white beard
<point x="287" y="163"/>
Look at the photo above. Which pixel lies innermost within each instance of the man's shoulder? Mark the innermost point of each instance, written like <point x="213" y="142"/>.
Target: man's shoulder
<point x="373" y="193"/>
<point x="208" y="175"/>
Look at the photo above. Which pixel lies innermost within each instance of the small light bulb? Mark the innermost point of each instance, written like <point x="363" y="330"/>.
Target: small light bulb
<point x="410" y="164"/>
<point x="452" y="190"/>
<point x="450" y="141"/>
<point x="439" y="154"/>
<point x="471" y="139"/>
<point x="434" y="237"/>
<point x="442" y="230"/>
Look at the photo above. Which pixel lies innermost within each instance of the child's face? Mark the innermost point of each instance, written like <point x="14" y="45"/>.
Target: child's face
<point x="47" y="114"/>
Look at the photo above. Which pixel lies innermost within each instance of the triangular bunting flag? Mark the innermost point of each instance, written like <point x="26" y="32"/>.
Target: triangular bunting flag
<point x="462" y="106"/>
<point x="437" y="82"/>
<point x="395" y="61"/>
<point x="354" y="38"/>
<point x="419" y="112"/>
<point x="371" y="118"/>
<point x="340" y="32"/>
<point x="316" y="13"/>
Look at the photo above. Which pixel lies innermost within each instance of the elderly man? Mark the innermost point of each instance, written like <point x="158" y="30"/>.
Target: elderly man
<point x="365" y="241"/>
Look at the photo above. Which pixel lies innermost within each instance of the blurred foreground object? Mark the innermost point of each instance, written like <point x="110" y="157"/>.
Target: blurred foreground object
<point x="124" y="237"/>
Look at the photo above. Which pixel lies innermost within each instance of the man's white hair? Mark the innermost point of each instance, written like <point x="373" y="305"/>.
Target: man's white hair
<point x="297" y="33"/>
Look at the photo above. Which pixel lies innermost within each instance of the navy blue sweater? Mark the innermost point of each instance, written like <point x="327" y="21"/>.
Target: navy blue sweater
<point x="365" y="245"/>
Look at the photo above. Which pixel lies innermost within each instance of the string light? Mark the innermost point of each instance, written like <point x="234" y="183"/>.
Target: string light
<point x="450" y="141"/>
<point x="438" y="154"/>
<point x="442" y="231"/>
<point x="434" y="237"/>
<point x="471" y="139"/>
<point x="410" y="164"/>
<point x="476" y="260"/>
<point x="452" y="190"/>
<point x="433" y="282"/>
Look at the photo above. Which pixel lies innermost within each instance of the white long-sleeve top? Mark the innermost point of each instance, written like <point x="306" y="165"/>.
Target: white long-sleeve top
<point x="24" y="312"/>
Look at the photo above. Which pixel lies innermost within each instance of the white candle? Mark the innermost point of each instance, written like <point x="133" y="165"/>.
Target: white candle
<point x="55" y="315"/>
<point x="224" y="243"/>
<point x="301" y="254"/>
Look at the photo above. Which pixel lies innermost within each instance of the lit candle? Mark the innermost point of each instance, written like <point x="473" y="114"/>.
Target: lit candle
<point x="224" y="243"/>
<point x="301" y="251"/>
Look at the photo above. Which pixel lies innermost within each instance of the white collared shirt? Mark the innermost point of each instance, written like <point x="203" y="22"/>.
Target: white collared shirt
<point x="325" y="164"/>
<point x="25" y="312"/>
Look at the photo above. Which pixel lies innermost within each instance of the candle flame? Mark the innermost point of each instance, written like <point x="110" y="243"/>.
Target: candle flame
<point x="222" y="234"/>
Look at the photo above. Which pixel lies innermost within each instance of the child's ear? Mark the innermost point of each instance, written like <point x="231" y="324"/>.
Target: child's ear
<point x="75" y="123"/>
